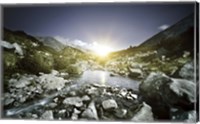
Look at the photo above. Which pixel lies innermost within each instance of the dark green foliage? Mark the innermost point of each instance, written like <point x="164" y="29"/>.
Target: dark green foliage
<point x="9" y="61"/>
<point x="38" y="62"/>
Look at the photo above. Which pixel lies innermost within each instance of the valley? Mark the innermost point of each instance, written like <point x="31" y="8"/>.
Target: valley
<point x="45" y="79"/>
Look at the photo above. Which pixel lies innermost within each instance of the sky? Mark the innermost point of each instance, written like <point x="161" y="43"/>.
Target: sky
<point x="115" y="25"/>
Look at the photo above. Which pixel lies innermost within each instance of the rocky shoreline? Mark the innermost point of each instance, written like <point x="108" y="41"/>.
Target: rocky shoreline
<point x="160" y="97"/>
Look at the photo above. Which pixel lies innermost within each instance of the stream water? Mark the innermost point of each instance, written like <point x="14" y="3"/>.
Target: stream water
<point x="105" y="78"/>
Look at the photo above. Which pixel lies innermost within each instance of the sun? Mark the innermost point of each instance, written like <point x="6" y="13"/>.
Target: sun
<point x="102" y="50"/>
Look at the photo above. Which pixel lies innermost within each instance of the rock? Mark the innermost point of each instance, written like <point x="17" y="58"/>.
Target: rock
<point x="76" y="111"/>
<point x="109" y="104"/>
<point x="47" y="115"/>
<point x="62" y="111"/>
<point x="114" y="90"/>
<point x="8" y="101"/>
<point x="55" y="100"/>
<point x="23" y="81"/>
<point x="72" y="93"/>
<point x="64" y="75"/>
<point x="76" y="101"/>
<point x="85" y="98"/>
<point x="51" y="82"/>
<point x="135" y="96"/>
<point x="187" y="71"/>
<point x="90" y="112"/>
<point x="99" y="85"/>
<point x="54" y="72"/>
<point x="123" y="92"/>
<point x="22" y="99"/>
<point x="186" y="54"/>
<point x="34" y="116"/>
<point x="144" y="114"/>
<point x="113" y="74"/>
<point x="184" y="116"/>
<point x="191" y="116"/>
<point x="184" y="88"/>
<point x="92" y="91"/>
<point x="162" y="92"/>
<point x="135" y="73"/>
<point x="74" y="116"/>
<point x="52" y="105"/>
<point x="120" y="113"/>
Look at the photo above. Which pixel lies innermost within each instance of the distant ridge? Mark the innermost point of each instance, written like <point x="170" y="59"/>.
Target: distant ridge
<point x="172" y="41"/>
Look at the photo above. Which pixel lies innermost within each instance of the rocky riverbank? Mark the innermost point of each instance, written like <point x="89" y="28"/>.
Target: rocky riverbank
<point x="91" y="102"/>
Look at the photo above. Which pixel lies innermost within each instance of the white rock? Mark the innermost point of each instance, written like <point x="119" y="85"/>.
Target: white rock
<point x="62" y="111"/>
<point x="187" y="71"/>
<point x="134" y="96"/>
<point x="8" y="101"/>
<point x="52" y="105"/>
<point x="74" y="116"/>
<point x="85" y="98"/>
<point x="22" y="82"/>
<point x="108" y="104"/>
<point x="77" y="101"/>
<point x="91" y="91"/>
<point x="54" y="72"/>
<point x="90" y="112"/>
<point x="48" y="115"/>
<point x="123" y="92"/>
<point x="55" y="100"/>
<point x="76" y="111"/>
<point x="34" y="116"/>
<point x="184" y="87"/>
<point x="51" y="82"/>
<point x="144" y="114"/>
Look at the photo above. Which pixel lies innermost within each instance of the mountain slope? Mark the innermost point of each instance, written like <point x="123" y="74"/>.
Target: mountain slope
<point x="176" y="39"/>
<point x="51" y="42"/>
<point x="167" y="51"/>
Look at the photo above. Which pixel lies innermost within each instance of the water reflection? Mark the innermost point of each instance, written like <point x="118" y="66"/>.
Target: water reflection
<point x="103" y="77"/>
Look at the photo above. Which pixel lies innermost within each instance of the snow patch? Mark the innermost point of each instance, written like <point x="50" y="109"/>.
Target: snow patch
<point x="6" y="45"/>
<point x="17" y="47"/>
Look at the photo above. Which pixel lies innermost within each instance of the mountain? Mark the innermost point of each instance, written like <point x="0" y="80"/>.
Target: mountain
<point x="174" y="40"/>
<point x="51" y="42"/>
<point x="24" y="53"/>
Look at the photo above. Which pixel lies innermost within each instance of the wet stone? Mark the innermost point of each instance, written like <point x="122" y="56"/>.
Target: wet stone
<point x="109" y="104"/>
<point x="48" y="115"/>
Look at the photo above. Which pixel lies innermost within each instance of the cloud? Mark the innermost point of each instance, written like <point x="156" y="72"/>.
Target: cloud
<point x="93" y="46"/>
<point x="163" y="27"/>
<point x="75" y="42"/>
<point x="80" y="43"/>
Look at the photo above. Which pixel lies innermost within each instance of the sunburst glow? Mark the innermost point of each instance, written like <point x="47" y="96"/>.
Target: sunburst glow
<point x="101" y="50"/>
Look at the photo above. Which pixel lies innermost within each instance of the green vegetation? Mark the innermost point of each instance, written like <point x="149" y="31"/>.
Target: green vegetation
<point x="39" y="57"/>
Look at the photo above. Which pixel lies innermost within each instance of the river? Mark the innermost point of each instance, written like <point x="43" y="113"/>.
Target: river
<point x="105" y="78"/>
